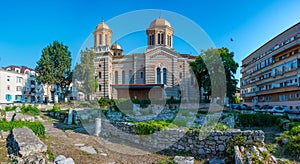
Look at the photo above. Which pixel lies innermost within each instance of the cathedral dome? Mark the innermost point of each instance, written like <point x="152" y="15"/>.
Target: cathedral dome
<point x="116" y="46"/>
<point x="102" y="25"/>
<point x="159" y="22"/>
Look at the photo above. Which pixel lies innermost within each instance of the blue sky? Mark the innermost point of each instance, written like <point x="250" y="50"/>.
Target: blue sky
<point x="28" y="26"/>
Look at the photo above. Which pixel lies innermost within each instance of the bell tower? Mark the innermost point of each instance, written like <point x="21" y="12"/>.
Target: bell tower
<point x="160" y="33"/>
<point x="102" y="37"/>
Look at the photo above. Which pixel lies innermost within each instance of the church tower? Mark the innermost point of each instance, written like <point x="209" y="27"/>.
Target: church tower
<point x="160" y="33"/>
<point x="102" y="37"/>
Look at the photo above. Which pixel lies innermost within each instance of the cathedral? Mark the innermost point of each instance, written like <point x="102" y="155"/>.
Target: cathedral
<point x="159" y="72"/>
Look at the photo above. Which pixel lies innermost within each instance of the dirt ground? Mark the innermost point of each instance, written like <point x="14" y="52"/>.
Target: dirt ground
<point x="62" y="142"/>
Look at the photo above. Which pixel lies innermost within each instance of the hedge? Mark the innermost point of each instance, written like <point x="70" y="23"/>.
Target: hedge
<point x="258" y="120"/>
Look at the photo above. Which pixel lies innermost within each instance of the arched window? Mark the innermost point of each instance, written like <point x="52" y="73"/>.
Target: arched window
<point x="162" y="38"/>
<point x="123" y="77"/>
<point x="116" y="77"/>
<point x="130" y="77"/>
<point x="153" y="39"/>
<point x="100" y="39"/>
<point x="165" y="75"/>
<point x="100" y="87"/>
<point x="99" y="75"/>
<point x="158" y="76"/>
<point x="180" y="75"/>
<point x="106" y="40"/>
<point x="142" y="75"/>
<point x="158" y="39"/>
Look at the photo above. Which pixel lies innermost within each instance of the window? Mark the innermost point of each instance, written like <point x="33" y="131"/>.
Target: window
<point x="130" y="77"/>
<point x="180" y="75"/>
<point x="158" y="76"/>
<point x="142" y="75"/>
<point x="158" y="38"/>
<point x="8" y="78"/>
<point x="100" y="39"/>
<point x="18" y="88"/>
<point x="8" y="97"/>
<point x="165" y="76"/>
<point x="116" y="77"/>
<point x="162" y="38"/>
<point x="8" y="88"/>
<point x="99" y="65"/>
<point x="99" y="75"/>
<point x="123" y="77"/>
<point x="99" y="87"/>
<point x="19" y="79"/>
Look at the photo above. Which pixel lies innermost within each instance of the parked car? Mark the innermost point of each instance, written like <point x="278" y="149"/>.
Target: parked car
<point x="293" y="111"/>
<point x="285" y="108"/>
<point x="245" y="107"/>
<point x="276" y="109"/>
<point x="264" y="108"/>
<point x="256" y="108"/>
<point x="235" y="106"/>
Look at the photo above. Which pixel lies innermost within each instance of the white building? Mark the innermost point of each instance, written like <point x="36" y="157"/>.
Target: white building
<point x="18" y="84"/>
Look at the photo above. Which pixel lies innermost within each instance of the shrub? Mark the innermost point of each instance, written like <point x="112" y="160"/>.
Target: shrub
<point x="55" y="108"/>
<point x="145" y="128"/>
<point x="30" y="110"/>
<point x="9" y="108"/>
<point x="36" y="127"/>
<point x="258" y="120"/>
<point x="221" y="127"/>
<point x="292" y="147"/>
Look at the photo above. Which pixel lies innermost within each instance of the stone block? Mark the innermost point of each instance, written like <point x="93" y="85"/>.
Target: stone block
<point x="24" y="142"/>
<point x="183" y="160"/>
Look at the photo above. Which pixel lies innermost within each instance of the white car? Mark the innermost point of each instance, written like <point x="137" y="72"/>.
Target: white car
<point x="276" y="109"/>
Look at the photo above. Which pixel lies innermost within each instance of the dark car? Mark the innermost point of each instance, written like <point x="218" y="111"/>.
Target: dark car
<point x="256" y="108"/>
<point x="245" y="107"/>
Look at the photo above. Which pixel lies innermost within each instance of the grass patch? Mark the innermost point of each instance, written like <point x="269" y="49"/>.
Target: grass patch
<point x="36" y="127"/>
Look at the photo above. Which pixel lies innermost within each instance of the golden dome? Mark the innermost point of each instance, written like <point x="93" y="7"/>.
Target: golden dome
<point x="116" y="46"/>
<point x="102" y="25"/>
<point x="159" y="22"/>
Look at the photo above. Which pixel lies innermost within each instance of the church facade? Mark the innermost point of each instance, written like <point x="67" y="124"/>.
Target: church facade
<point x="158" y="72"/>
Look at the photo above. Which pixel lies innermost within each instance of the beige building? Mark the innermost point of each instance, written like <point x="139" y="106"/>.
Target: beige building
<point x="270" y="75"/>
<point x="157" y="72"/>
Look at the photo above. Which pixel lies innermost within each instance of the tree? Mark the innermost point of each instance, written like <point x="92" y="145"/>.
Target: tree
<point x="62" y="61"/>
<point x="54" y="66"/>
<point x="44" y="69"/>
<point x="215" y="68"/>
<point x="85" y="73"/>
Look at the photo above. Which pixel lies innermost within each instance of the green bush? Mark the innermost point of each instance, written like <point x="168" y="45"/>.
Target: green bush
<point x="221" y="127"/>
<point x="10" y="108"/>
<point x="258" y="120"/>
<point x="30" y="110"/>
<point x="292" y="147"/>
<point x="145" y="128"/>
<point x="36" y="127"/>
<point x="55" y="108"/>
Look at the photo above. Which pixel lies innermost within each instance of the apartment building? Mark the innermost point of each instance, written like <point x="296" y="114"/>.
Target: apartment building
<point x="270" y="75"/>
<point x="18" y="84"/>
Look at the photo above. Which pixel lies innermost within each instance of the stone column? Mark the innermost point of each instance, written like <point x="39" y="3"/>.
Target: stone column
<point x="70" y="117"/>
<point x="97" y="126"/>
